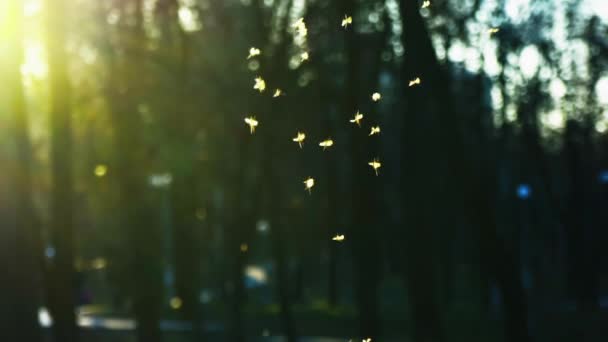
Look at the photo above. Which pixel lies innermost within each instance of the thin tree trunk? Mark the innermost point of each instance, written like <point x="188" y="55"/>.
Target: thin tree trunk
<point x="582" y="276"/>
<point x="326" y="95"/>
<point x="185" y="187"/>
<point x="61" y="281"/>
<point x="479" y="208"/>
<point x="9" y="329"/>
<point x="364" y="220"/>
<point x="20" y="232"/>
<point x="183" y="203"/>
<point x="273" y="203"/>
<point x="275" y="211"/>
<point x="143" y="233"/>
<point x="420" y="274"/>
<point x="239" y="230"/>
<point x="278" y="247"/>
<point x="24" y="236"/>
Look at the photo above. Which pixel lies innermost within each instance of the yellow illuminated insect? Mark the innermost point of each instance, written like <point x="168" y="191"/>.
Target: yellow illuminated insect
<point x="493" y="30"/>
<point x="375" y="130"/>
<point x="176" y="303"/>
<point x="254" y="52"/>
<point x="338" y="238"/>
<point x="375" y="164"/>
<point x="414" y="82"/>
<point x="348" y="20"/>
<point x="252" y="122"/>
<point x="357" y="119"/>
<point x="309" y="183"/>
<point x="326" y="143"/>
<point x="304" y="56"/>
<point x="376" y="97"/>
<point x="426" y="4"/>
<point x="100" y="170"/>
<point x="260" y="84"/>
<point x="278" y="92"/>
<point x="300" y="138"/>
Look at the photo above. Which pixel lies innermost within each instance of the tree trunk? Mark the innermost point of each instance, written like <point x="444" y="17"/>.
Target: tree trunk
<point x="186" y="258"/>
<point x="274" y="206"/>
<point x="25" y="236"/>
<point x="239" y="230"/>
<point x="364" y="220"/>
<point x="420" y="205"/>
<point x="9" y="325"/>
<point x="283" y="293"/>
<point x="185" y="187"/>
<point x="61" y="275"/>
<point x="136" y="198"/>
<point x="143" y="235"/>
<point x="582" y="275"/>
<point x="276" y="212"/>
<point x="479" y="208"/>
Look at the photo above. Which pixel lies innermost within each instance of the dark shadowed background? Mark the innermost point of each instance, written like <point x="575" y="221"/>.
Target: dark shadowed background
<point x="137" y="205"/>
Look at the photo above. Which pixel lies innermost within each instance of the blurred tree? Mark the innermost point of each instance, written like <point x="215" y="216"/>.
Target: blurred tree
<point x="181" y="138"/>
<point x="24" y="246"/>
<point x="62" y="293"/>
<point x="422" y="62"/>
<point x="192" y="181"/>
<point x="127" y="79"/>
<point x="275" y="23"/>
<point x="359" y="83"/>
<point x="324" y="14"/>
<point x="418" y="189"/>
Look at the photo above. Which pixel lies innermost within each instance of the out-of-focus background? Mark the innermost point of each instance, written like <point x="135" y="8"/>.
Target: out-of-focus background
<point x="152" y="186"/>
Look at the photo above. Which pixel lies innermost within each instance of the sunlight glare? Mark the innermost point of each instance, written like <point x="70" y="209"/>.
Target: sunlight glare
<point x="34" y="65"/>
<point x="44" y="317"/>
<point x="557" y="88"/>
<point x="176" y="303"/>
<point x="457" y="52"/>
<point x="514" y="8"/>
<point x="188" y="19"/>
<point x="554" y="120"/>
<point x="601" y="126"/>
<point x="32" y="7"/>
<point x="601" y="90"/>
<point x="529" y="61"/>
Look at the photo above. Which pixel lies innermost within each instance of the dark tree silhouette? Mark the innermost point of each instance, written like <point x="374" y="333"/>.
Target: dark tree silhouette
<point x="61" y="270"/>
<point x="143" y="237"/>
<point x="23" y="238"/>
